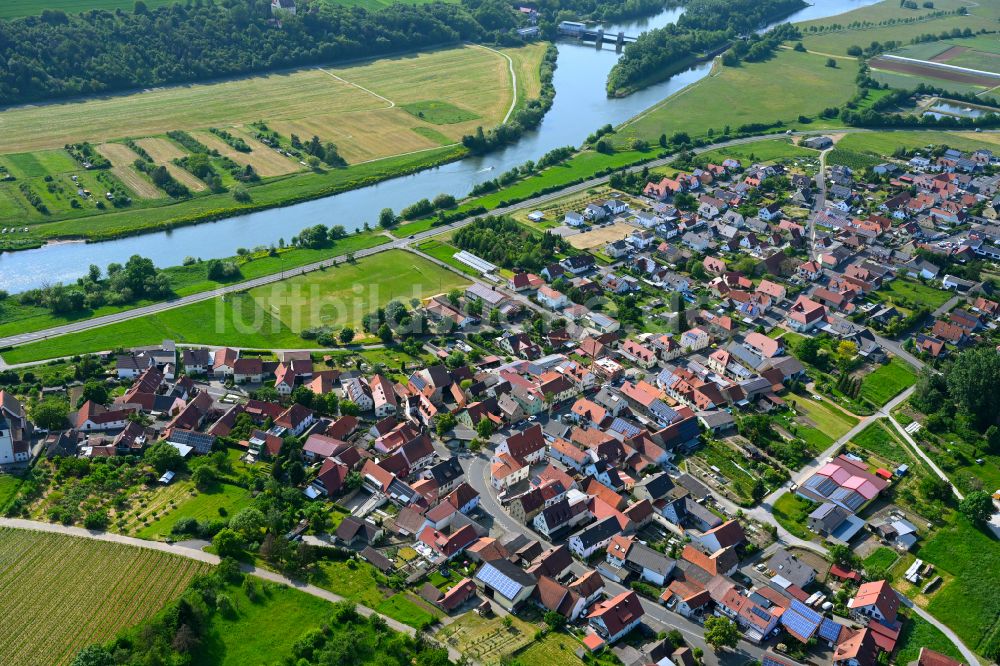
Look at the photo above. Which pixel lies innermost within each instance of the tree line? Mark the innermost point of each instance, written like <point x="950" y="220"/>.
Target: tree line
<point x="57" y="55"/>
<point x="705" y="26"/>
<point x="505" y="242"/>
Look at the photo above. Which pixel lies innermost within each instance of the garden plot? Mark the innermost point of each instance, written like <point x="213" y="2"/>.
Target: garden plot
<point x="265" y="161"/>
<point x="122" y="157"/>
<point x="164" y="152"/>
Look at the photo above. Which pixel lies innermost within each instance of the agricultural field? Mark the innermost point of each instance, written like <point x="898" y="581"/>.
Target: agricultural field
<point x="164" y="152"/>
<point x="77" y="592"/>
<point x="265" y="161"/>
<point x="887" y="381"/>
<point x="553" y="648"/>
<point x="9" y="485"/>
<point x="977" y="53"/>
<point x="122" y="159"/>
<point x="765" y="150"/>
<point x="884" y="143"/>
<point x="887" y="21"/>
<point x="16" y="8"/>
<point x="599" y="237"/>
<point x="305" y="102"/>
<point x="782" y="88"/>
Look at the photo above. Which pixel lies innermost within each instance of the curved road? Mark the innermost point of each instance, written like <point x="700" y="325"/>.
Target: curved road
<point x="191" y="553"/>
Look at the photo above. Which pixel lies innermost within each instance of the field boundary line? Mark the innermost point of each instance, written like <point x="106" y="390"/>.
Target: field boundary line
<point x="412" y="152"/>
<point x="392" y="104"/>
<point x="513" y="80"/>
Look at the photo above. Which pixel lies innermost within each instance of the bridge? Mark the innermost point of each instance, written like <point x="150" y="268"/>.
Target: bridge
<point x="579" y="31"/>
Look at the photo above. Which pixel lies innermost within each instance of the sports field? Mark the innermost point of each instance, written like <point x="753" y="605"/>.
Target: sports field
<point x="341" y="296"/>
<point x="62" y="593"/>
<point x="356" y="107"/>
<point x="269" y="317"/>
<point x="788" y="85"/>
<point x="601" y="236"/>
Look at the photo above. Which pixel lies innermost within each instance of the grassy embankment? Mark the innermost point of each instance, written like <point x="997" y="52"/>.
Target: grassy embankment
<point x="269" y="317"/>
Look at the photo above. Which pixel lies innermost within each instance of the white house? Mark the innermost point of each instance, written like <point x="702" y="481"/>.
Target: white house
<point x="573" y="219"/>
<point x="695" y="339"/>
<point x="594" y="537"/>
<point x="14" y="431"/>
<point x="551" y="298"/>
<point x="614" y="618"/>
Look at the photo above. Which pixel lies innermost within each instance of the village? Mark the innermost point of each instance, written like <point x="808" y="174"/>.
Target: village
<point x="612" y="443"/>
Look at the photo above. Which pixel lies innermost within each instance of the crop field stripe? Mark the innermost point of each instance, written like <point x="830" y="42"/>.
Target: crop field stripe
<point x="948" y="54"/>
<point x="359" y="87"/>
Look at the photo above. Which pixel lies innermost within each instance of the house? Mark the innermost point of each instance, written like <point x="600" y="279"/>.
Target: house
<point x="354" y="531"/>
<point x="755" y="620"/>
<point x="95" y="417"/>
<point x="506" y="472"/>
<point x="818" y="142"/>
<point x="15" y="431"/>
<point x="594" y="537"/>
<point x="578" y="264"/>
<point x="805" y="315"/>
<point x="437" y="546"/>
<point x="789" y="567"/>
<point x="763" y="345"/>
<point x="573" y="219"/>
<point x="929" y="657"/>
<point x="551" y="298"/>
<point x="295" y="420"/>
<point x="770" y="212"/>
<point x="642" y="356"/>
<point x="505" y="583"/>
<point x="248" y="370"/>
<point x="555" y="597"/>
<point x="383" y="395"/>
<point x="726" y="535"/>
<point x="357" y="390"/>
<point x="615" y="617"/>
<point x="279" y="7"/>
<point x="196" y="361"/>
<point x="875" y="601"/>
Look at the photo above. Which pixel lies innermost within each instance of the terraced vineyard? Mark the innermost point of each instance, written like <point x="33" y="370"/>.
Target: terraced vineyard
<point x="61" y="593"/>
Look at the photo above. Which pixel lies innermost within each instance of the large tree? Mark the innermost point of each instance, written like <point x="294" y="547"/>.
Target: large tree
<point x="50" y="414"/>
<point x="720" y="632"/>
<point x="977" y="506"/>
<point x="974" y="385"/>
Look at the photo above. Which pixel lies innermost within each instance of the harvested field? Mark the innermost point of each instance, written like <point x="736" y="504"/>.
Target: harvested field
<point x="266" y="165"/>
<point x="164" y="151"/>
<point x="161" y="150"/>
<point x="600" y="237"/>
<point x="926" y="69"/>
<point x="122" y="157"/>
<point x="947" y="55"/>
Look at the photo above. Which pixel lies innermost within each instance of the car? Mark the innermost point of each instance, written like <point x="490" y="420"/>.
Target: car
<point x="817" y="397"/>
<point x="412" y="236"/>
<point x="532" y="418"/>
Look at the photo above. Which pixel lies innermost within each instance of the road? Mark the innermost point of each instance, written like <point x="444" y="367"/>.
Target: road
<point x="208" y="558"/>
<point x="819" y="205"/>
<point x="657" y="616"/>
<point x="396" y="243"/>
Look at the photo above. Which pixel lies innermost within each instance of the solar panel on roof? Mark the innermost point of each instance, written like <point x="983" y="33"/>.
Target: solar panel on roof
<point x="491" y="576"/>
<point x="806" y="612"/>
<point x="829" y="630"/>
<point x="761" y="613"/>
<point x="798" y="625"/>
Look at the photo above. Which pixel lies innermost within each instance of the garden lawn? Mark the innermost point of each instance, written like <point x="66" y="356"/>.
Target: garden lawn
<point x="828" y="419"/>
<point x="887" y="381"/>
<point x="878" y="440"/>
<point x="356" y="581"/>
<point x="970" y="603"/>
<point x="401" y="607"/>
<point x="263" y="631"/>
<point x="222" y="501"/>
<point x="881" y="559"/>
<point x="792" y="513"/>
<point x="911" y="294"/>
<point x="9" y="485"/>
<point x="918" y="633"/>
<point x="786" y="86"/>
<point x="446" y="253"/>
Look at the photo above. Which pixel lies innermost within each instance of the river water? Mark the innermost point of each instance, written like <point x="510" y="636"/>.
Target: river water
<point x="580" y="107"/>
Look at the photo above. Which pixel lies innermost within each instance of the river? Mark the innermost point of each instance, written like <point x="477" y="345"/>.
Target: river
<point x="580" y="107"/>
